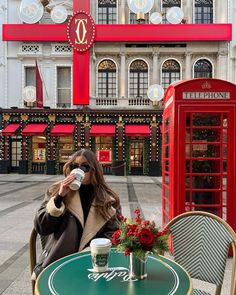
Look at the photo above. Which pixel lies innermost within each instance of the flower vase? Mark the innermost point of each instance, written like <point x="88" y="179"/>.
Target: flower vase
<point x="138" y="266"/>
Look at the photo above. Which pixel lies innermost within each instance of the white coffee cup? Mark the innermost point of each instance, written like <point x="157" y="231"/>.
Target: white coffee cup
<point x="75" y="185"/>
<point x="100" y="249"/>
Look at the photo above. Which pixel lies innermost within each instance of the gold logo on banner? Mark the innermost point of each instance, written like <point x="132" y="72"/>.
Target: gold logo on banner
<point x="79" y="118"/>
<point x="6" y="117"/>
<point x="52" y="118"/>
<point x="81" y="28"/>
<point x="24" y="117"/>
<point x="81" y="31"/>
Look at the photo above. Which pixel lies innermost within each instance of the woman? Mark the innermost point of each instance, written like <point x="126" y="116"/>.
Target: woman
<point x="68" y="220"/>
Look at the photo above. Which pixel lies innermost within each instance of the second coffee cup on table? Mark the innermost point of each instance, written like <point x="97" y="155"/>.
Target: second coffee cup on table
<point x="75" y="185"/>
<point x="100" y="249"/>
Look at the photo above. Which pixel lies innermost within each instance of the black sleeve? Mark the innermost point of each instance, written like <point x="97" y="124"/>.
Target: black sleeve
<point x="44" y="223"/>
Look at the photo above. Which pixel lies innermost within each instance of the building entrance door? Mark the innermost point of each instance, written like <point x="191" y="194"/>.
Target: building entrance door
<point x="136" y="156"/>
<point x="15" y="156"/>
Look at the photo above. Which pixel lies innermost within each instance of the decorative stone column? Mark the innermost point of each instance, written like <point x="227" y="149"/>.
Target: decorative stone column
<point x="155" y="73"/>
<point x="123" y="83"/>
<point x="222" y="65"/>
<point x="188" y="73"/>
<point x="121" y="12"/>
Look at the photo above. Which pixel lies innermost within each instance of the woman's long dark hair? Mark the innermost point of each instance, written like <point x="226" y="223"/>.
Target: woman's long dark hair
<point x="102" y="192"/>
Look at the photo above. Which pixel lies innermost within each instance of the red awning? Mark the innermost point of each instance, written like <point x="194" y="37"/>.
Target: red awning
<point x="34" y="129"/>
<point x="137" y="130"/>
<point x="10" y="129"/>
<point x="63" y="130"/>
<point x="102" y="130"/>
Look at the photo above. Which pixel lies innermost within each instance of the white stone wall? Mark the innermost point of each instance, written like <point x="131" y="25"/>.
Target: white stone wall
<point x="13" y="59"/>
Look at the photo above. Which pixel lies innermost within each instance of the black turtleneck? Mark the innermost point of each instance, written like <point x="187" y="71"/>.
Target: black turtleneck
<point x="86" y="197"/>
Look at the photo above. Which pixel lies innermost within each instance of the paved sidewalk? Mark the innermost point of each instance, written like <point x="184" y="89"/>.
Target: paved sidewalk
<point x="20" y="196"/>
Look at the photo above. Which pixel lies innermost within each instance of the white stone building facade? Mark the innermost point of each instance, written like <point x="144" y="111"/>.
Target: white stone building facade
<point x="120" y="74"/>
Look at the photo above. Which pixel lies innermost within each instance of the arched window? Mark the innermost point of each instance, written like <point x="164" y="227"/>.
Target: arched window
<point x="138" y="83"/>
<point x="107" y="79"/>
<point x="107" y="12"/>
<point x="202" y="69"/>
<point x="203" y="11"/>
<point x="170" y="72"/>
<point x="166" y="4"/>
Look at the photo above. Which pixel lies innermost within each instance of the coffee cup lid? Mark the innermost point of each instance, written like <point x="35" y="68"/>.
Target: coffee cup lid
<point x="78" y="170"/>
<point x="100" y="242"/>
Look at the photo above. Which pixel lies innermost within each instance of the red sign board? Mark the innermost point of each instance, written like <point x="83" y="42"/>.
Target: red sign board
<point x="81" y="31"/>
<point x="104" y="156"/>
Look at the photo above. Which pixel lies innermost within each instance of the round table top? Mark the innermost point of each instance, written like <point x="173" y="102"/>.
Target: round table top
<point x="73" y="275"/>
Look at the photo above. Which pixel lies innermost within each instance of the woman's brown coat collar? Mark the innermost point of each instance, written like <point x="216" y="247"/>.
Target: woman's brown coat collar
<point x="94" y="220"/>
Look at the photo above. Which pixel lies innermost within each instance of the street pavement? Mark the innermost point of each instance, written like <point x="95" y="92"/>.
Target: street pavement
<point x="21" y="195"/>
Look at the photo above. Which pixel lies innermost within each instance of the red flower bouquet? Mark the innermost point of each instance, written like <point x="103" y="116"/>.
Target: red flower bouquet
<point x="140" y="236"/>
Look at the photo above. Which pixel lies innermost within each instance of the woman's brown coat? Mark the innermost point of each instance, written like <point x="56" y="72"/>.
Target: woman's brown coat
<point x="59" y="225"/>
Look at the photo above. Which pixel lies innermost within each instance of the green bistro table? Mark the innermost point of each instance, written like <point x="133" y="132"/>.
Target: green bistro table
<point x="73" y="275"/>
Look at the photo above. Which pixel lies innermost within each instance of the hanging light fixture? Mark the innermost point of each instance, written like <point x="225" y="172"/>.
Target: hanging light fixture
<point x="31" y="11"/>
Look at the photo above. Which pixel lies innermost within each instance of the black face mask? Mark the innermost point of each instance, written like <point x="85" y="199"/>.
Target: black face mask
<point x="84" y="167"/>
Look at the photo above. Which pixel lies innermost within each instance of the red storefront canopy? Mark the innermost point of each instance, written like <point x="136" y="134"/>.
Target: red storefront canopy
<point x="34" y="129"/>
<point x="137" y="130"/>
<point x="63" y="130"/>
<point x="102" y="130"/>
<point x="10" y="129"/>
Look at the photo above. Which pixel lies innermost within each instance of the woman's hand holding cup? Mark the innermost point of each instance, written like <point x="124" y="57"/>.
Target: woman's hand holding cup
<point x="64" y="187"/>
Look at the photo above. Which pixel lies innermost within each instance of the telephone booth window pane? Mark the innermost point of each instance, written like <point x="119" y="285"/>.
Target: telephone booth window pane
<point x="224" y="200"/>
<point x="206" y="198"/>
<point x="187" y="166"/>
<point x="166" y="219"/>
<point x="206" y="150"/>
<point x="225" y="166"/>
<point x="167" y="179"/>
<point x="207" y="119"/>
<point x="187" y="151"/>
<point x="167" y="152"/>
<point x="224" y="135"/>
<point x="225" y="122"/>
<point x="166" y="204"/>
<point x="166" y="165"/>
<point x="167" y="193"/>
<point x="224" y="153"/>
<point x="166" y="138"/>
<point x="209" y="166"/>
<point x="187" y="182"/>
<point x="210" y="135"/>
<point x="224" y="183"/>
<point x="206" y="182"/>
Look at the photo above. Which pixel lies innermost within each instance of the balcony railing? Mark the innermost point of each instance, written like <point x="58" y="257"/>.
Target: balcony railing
<point x="116" y="103"/>
<point x="124" y="103"/>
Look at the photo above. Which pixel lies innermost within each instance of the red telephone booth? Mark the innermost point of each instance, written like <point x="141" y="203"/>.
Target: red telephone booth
<point x="199" y="148"/>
